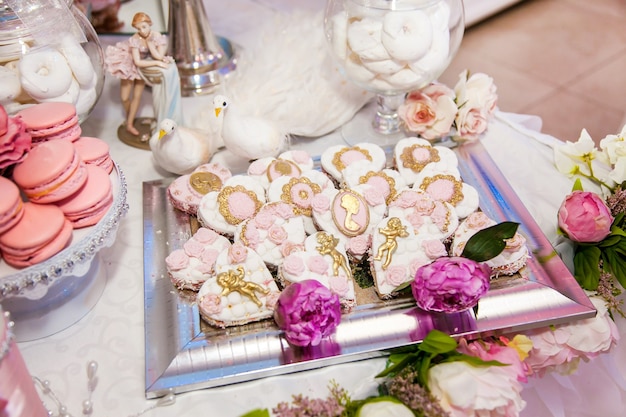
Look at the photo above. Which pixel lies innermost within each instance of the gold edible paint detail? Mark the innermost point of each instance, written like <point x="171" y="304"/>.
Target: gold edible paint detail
<point x="224" y="195"/>
<point x="392" y="183"/>
<point x="392" y="232"/>
<point x="351" y="203"/>
<point x="286" y="195"/>
<point x="457" y="194"/>
<point x="328" y="246"/>
<point x="205" y="182"/>
<point x="337" y="157"/>
<point x="408" y="161"/>
<point x="233" y="281"/>
<point x="284" y="168"/>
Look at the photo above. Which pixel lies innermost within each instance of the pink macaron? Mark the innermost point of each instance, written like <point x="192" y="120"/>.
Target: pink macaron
<point x="89" y="204"/>
<point x="50" y="172"/>
<point x="41" y="233"/>
<point x="11" y="205"/>
<point x="94" y="151"/>
<point x="51" y="121"/>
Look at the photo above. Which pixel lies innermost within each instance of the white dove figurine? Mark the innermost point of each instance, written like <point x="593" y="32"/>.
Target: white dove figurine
<point x="179" y="149"/>
<point x="247" y="135"/>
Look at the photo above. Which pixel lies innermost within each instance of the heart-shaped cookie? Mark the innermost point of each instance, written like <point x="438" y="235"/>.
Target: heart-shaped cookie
<point x="337" y="158"/>
<point x="323" y="259"/>
<point x="413" y="155"/>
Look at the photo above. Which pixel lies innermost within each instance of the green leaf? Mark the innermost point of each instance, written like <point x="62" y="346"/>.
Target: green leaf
<point x="586" y="270"/>
<point x="610" y="240"/>
<point x="397" y="363"/>
<point x="257" y="413"/>
<point x="437" y="343"/>
<point x="402" y="286"/>
<point x="617" y="231"/>
<point x="578" y="185"/>
<point x="488" y="243"/>
<point x="473" y="360"/>
<point x="616" y="265"/>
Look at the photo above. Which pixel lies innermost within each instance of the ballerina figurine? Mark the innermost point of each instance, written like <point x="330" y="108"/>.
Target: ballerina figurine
<point x="140" y="60"/>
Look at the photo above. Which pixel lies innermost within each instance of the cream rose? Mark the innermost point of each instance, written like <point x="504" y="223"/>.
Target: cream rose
<point x="429" y="112"/>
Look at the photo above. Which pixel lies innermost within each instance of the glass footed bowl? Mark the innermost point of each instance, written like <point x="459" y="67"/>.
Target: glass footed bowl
<point x="52" y="295"/>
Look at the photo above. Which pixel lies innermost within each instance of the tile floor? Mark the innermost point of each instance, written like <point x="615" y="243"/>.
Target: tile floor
<point x="563" y="60"/>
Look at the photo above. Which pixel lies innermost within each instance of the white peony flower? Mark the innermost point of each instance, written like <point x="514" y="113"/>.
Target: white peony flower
<point x="384" y="407"/>
<point x="618" y="174"/>
<point x="614" y="147"/>
<point x="575" y="157"/>
<point x="467" y="391"/>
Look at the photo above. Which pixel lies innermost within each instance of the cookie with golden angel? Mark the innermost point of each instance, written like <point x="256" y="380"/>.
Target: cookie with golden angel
<point x="291" y="163"/>
<point x="397" y="254"/>
<point x="412" y="155"/>
<point x="299" y="193"/>
<point x="323" y="259"/>
<point x="190" y="266"/>
<point x="274" y="232"/>
<point x="186" y="191"/>
<point x="240" y="198"/>
<point x="350" y="215"/>
<point x="508" y="262"/>
<point x="241" y="291"/>
<point x="428" y="217"/>
<point x="336" y="159"/>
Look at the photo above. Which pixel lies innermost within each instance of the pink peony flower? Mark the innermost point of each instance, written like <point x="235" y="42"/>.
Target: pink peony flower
<point x="307" y="312"/>
<point x="561" y="347"/>
<point x="429" y="112"/>
<point x="585" y="217"/>
<point x="450" y="284"/>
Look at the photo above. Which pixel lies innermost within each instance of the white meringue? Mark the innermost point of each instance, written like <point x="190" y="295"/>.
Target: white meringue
<point x="407" y="35"/>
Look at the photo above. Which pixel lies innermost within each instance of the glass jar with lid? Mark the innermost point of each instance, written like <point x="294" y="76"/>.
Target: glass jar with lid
<point x="49" y="51"/>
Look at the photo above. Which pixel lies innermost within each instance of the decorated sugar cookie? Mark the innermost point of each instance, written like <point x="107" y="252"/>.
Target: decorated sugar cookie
<point x="240" y="198"/>
<point x="241" y="291"/>
<point x="299" y="193"/>
<point x="187" y="190"/>
<point x="508" y="262"/>
<point x="337" y="158"/>
<point x="397" y="253"/>
<point x="430" y="218"/>
<point x="350" y="215"/>
<point x="189" y="267"/>
<point x="290" y="164"/>
<point x="323" y="259"/>
<point x="388" y="181"/>
<point x="449" y="188"/>
<point x="274" y="232"/>
<point x="413" y="155"/>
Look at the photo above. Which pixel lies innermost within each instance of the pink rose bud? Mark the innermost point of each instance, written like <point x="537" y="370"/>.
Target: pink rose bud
<point x="450" y="284"/>
<point x="307" y="312"/>
<point x="585" y="217"/>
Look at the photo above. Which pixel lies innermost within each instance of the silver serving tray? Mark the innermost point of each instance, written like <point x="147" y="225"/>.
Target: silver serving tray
<point x="183" y="353"/>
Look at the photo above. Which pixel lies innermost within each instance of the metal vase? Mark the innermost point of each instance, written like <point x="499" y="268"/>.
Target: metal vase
<point x="199" y="54"/>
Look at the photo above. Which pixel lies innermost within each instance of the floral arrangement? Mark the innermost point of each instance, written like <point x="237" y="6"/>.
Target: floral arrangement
<point x="424" y="379"/>
<point x="595" y="220"/>
<point x="463" y="113"/>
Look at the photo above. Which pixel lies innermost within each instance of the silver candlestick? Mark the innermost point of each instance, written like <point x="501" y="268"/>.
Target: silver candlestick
<point x="202" y="57"/>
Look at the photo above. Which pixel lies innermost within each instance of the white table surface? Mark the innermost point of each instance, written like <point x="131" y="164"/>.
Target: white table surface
<point x="112" y="333"/>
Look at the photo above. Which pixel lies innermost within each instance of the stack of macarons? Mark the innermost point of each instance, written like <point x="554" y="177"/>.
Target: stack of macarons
<point x="60" y="185"/>
<point x="50" y="121"/>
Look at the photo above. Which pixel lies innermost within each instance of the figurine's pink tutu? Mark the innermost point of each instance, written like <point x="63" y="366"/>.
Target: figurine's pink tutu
<point x="119" y="61"/>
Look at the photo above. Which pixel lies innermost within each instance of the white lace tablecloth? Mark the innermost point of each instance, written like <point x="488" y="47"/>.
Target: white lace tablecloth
<point x="112" y="333"/>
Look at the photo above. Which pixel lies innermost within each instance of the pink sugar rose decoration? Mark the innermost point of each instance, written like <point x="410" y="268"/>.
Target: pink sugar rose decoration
<point x="585" y="217"/>
<point x="237" y="253"/>
<point x="307" y="312"/>
<point x="450" y="284"/>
